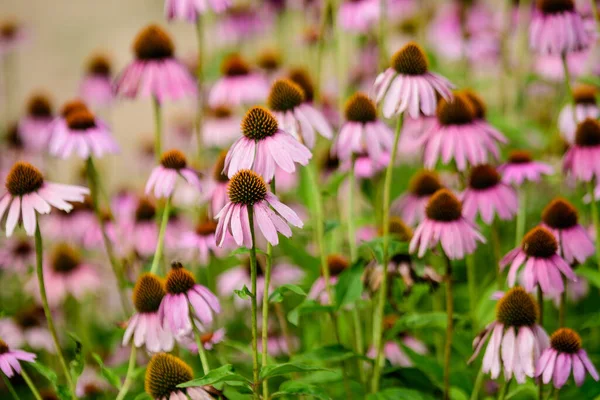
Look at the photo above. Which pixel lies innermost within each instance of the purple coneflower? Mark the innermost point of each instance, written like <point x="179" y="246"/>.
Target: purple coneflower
<point x="136" y="229"/>
<point x="17" y="254"/>
<point x="563" y="355"/>
<point x="27" y="192"/>
<point x="480" y="113"/>
<point x="239" y="84"/>
<point x="190" y="10"/>
<point x="30" y="326"/>
<point x="269" y="61"/>
<point x="408" y="85"/>
<point x="543" y="265"/>
<point x="488" y="196"/>
<point x="520" y="168"/>
<point x="358" y="15"/>
<point x="561" y="218"/>
<point x="581" y="158"/>
<point x="221" y="127"/>
<point x="96" y="85"/>
<point x="91" y="385"/>
<point x="584" y="107"/>
<point x="263" y="146"/>
<point x="557" y="28"/>
<point x="366" y="167"/>
<point x="516" y="340"/>
<point x="393" y="350"/>
<point x="216" y="186"/>
<point x="12" y="35"/>
<point x="162" y="180"/>
<point x="277" y="345"/>
<point x="155" y="71"/>
<point x="444" y="223"/>
<point x="294" y="115"/>
<point x="411" y="206"/>
<point x="164" y="373"/>
<point x="9" y="359"/>
<point x="145" y="326"/>
<point x="336" y="264"/>
<point x="33" y="127"/>
<point x="200" y="242"/>
<point x="362" y="131"/>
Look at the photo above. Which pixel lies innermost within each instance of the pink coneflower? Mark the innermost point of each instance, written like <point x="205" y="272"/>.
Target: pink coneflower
<point x="248" y="192"/>
<point x="96" y="85"/>
<point x="9" y="359"/>
<point x="580" y="161"/>
<point x="200" y="242"/>
<point x="277" y="345"/>
<point x="186" y="302"/>
<point x="190" y="10"/>
<point x="358" y="15"/>
<point x="239" y="85"/>
<point x="362" y="131"/>
<point x="164" y="373"/>
<point x="155" y="71"/>
<point x="71" y="226"/>
<point x="241" y="22"/>
<point x="520" y="168"/>
<point x="543" y="265"/>
<point x="294" y="115"/>
<point x="162" y="180"/>
<point x="365" y="166"/>
<point x="550" y="66"/>
<point x="336" y="264"/>
<point x="33" y="127"/>
<point x="480" y="113"/>
<point x="82" y="133"/>
<point x="408" y="85"/>
<point x="27" y="327"/>
<point x="270" y="62"/>
<point x="557" y="28"/>
<point x="411" y="206"/>
<point x="221" y="127"/>
<point x="264" y="146"/>
<point x="561" y="218"/>
<point x="145" y="326"/>
<point x="91" y="385"/>
<point x="137" y="229"/>
<point x="393" y="351"/>
<point x="444" y="223"/>
<point x="17" y="254"/>
<point x="488" y="196"/>
<point x="584" y="97"/>
<point x="12" y="35"/>
<point x="216" y="186"/>
<point x="27" y="192"/>
<point x="412" y="130"/>
<point x="563" y="355"/>
<point x="516" y="339"/>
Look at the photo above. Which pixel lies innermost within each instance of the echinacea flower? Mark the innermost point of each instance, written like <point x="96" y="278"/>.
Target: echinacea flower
<point x="28" y="192"/>
<point x="561" y="218"/>
<point x="444" y="223"/>
<point x="221" y="127"/>
<point x="365" y="166"/>
<point x="263" y="146"/>
<point x="516" y="340"/>
<point x="145" y="326"/>
<point x="584" y="106"/>
<point x="362" y="131"/>
<point x="563" y="356"/>
<point x="336" y="264"/>
<point x="358" y="15"/>
<point x="520" y="167"/>
<point x="96" y="85"/>
<point x="137" y="230"/>
<point x="162" y="180"/>
<point x="28" y="326"/>
<point x="190" y="10"/>
<point x="488" y="196"/>
<point x="200" y="242"/>
<point x="294" y="115"/>
<point x="242" y="21"/>
<point x="91" y="385"/>
<point x="581" y="160"/>
<point x="249" y="196"/>
<point x="155" y="71"/>
<point x="411" y="206"/>
<point x="12" y="35"/>
<point x="216" y="186"/>
<point x="238" y="86"/>
<point x="164" y="373"/>
<point x="557" y="28"/>
<point x="409" y="86"/>
<point x="393" y="351"/>
<point x="480" y="115"/>
<point x="543" y="265"/>
<point x="9" y="359"/>
<point x="269" y="60"/>
<point x="186" y="302"/>
<point x="33" y="127"/>
<point x="278" y="346"/>
<point x="17" y="254"/>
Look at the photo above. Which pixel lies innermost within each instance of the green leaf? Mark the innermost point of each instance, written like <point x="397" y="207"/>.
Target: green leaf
<point x="76" y="365"/>
<point x="277" y="295"/>
<point x="330" y="225"/>
<point x="375" y="247"/>
<point x="307" y="307"/>
<point x="244" y="294"/>
<point x="272" y="370"/>
<point x="295" y="389"/>
<point x="592" y="275"/>
<point x="399" y="394"/>
<point x="45" y="372"/>
<point x="333" y="184"/>
<point x="143" y="396"/>
<point x="331" y="353"/>
<point x="222" y="374"/>
<point x="349" y="286"/>
<point x="430" y="320"/>
<point x="244" y="250"/>
<point x="107" y="373"/>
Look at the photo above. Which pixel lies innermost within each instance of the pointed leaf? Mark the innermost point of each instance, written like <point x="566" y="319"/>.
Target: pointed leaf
<point x="270" y="371"/>
<point x="107" y="373"/>
<point x="222" y="374"/>
<point x="296" y="389"/>
<point x="277" y="295"/>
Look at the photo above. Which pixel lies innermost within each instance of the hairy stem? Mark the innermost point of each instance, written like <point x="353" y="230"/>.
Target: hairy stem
<point x="157" y="129"/>
<point x="129" y="375"/>
<point x="161" y="237"/>
<point x="253" y="266"/>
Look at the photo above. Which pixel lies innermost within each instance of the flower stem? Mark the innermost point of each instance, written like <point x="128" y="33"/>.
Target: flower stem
<point x="157" y="129"/>
<point x="201" y="351"/>
<point x="496" y="250"/>
<point x="265" y="315"/>
<point x="9" y="386"/>
<point x="567" y="75"/>
<point x="381" y="34"/>
<point x="200" y="81"/>
<point x="161" y="237"/>
<point x="351" y="226"/>
<point x="378" y="319"/>
<point x="478" y="385"/>
<point x="595" y="219"/>
<point x="449" y="327"/>
<point x="253" y="267"/>
<point x="504" y="389"/>
<point x="521" y="216"/>
<point x="47" y="312"/>
<point x="128" y="377"/>
<point x="327" y="6"/>
<point x="472" y="284"/>
<point x="360" y="342"/>
<point x="562" y="311"/>
<point x="29" y="382"/>
<point x="540" y="299"/>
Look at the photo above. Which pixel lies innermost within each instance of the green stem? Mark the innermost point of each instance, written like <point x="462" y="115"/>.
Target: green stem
<point x="129" y="376"/>
<point x="378" y="321"/>
<point x="449" y="327"/>
<point x="253" y="267"/>
<point x="29" y="382"/>
<point x="360" y="343"/>
<point x="540" y="300"/>
<point x="161" y="237"/>
<point x="504" y="389"/>
<point x="157" y="129"/>
<point x="496" y="251"/>
<point x="47" y="312"/>
<point x="521" y="216"/>
<point x="265" y="315"/>
<point x="351" y="225"/>
<point x="562" y="311"/>
<point x="478" y="385"/>
<point x="201" y="351"/>
<point x="595" y="219"/>
<point x="200" y="80"/>
<point x="9" y="386"/>
<point x="321" y="46"/>
<point x="472" y="284"/>
<point x="381" y="34"/>
<point x="567" y="76"/>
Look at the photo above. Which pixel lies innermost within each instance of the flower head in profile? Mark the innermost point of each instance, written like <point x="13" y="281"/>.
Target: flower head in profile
<point x="96" y="85"/>
<point x="27" y="193"/>
<point x="145" y="326"/>
<point x="263" y="146"/>
<point x="33" y="127"/>
<point x="17" y="254"/>
<point x="248" y="193"/>
<point x="520" y="167"/>
<point x="294" y="115"/>
<point x="543" y="266"/>
<point x="186" y="302"/>
<point x="580" y="159"/>
<point x="516" y="339"/>
<point x="155" y="72"/>
<point x="9" y="359"/>
<point x="239" y="85"/>
<point x="190" y="10"/>
<point x="12" y="35"/>
<point x="564" y="355"/>
<point x="562" y="219"/>
<point x="336" y="263"/>
<point x="164" y="373"/>
<point x="216" y="187"/>
<point x="221" y="127"/>
<point x="392" y="349"/>
<point x="269" y="61"/>
<point x="408" y="86"/>
<point x="200" y="242"/>
<point x="444" y="223"/>
<point x="584" y="106"/>
<point x="411" y="206"/>
<point x="162" y="180"/>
